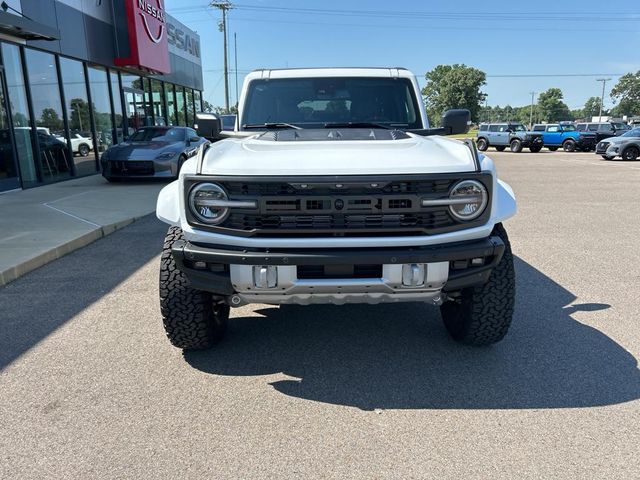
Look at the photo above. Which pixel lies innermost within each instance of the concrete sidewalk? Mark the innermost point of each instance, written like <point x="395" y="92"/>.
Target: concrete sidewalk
<point x="42" y="224"/>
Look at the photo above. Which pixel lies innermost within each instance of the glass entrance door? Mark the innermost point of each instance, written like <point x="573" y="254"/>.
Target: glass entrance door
<point x="8" y="169"/>
<point x="134" y="109"/>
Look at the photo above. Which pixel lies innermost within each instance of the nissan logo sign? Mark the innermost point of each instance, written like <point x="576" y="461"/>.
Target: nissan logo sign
<point x="153" y="14"/>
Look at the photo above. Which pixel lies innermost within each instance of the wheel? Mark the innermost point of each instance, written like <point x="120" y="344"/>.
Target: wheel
<point x="191" y="319"/>
<point x="83" y="150"/>
<point x="535" y="149"/>
<point x="631" y="153"/>
<point x="482" y="144"/>
<point x="608" y="157"/>
<point x="569" y="146"/>
<point x="552" y="149"/>
<point x="516" y="145"/>
<point x="482" y="315"/>
<point x="181" y="160"/>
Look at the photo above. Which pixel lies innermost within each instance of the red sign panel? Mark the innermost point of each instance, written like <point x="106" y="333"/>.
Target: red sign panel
<point x="148" y="45"/>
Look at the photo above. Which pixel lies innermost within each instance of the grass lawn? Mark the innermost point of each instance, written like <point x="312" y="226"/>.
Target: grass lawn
<point x="470" y="134"/>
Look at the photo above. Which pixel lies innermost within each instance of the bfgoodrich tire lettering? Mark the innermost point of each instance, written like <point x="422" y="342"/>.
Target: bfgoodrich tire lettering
<point x="482" y="315"/>
<point x="191" y="319"/>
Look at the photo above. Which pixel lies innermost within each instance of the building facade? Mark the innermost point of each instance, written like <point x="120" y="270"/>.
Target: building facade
<point x="77" y="76"/>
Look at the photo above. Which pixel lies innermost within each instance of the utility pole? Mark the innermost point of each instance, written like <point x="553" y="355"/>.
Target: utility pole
<point x="235" y="51"/>
<point x="533" y="94"/>
<point x="224" y="6"/>
<point x="604" y="82"/>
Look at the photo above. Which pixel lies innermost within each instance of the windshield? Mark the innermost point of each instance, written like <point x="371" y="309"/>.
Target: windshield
<point x="632" y="133"/>
<point x="158" y="135"/>
<point x="313" y="102"/>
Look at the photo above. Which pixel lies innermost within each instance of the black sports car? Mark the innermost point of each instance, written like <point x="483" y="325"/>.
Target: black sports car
<point x="151" y="152"/>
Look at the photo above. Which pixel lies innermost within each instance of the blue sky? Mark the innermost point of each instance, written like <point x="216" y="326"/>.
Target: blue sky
<point x="498" y="37"/>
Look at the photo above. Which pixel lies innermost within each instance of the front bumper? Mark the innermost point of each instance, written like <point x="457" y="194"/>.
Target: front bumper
<point x="532" y="141"/>
<point x="139" y="168"/>
<point x="230" y="274"/>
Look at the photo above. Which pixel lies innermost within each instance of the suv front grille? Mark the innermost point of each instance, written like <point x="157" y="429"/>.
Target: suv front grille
<point x="341" y="206"/>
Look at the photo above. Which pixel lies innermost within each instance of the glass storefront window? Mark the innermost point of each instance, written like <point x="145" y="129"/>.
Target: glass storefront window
<point x="197" y="98"/>
<point x="180" y="106"/>
<point x="101" y="107"/>
<point x="171" y="104"/>
<point x="157" y="98"/>
<point x="18" y="107"/>
<point x="148" y="104"/>
<point x="131" y="81"/>
<point x="55" y="158"/>
<point x="117" y="107"/>
<point x="77" y="103"/>
<point x="190" y="111"/>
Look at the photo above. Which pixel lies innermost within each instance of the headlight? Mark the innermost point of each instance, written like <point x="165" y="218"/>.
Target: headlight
<point x="468" y="199"/>
<point x="205" y="201"/>
<point x="166" y="155"/>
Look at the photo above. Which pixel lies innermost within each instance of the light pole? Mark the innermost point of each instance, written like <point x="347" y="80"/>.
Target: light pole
<point x="224" y="6"/>
<point x="533" y="94"/>
<point x="604" y="82"/>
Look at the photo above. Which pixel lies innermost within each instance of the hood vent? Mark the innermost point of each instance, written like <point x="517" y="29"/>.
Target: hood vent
<point x="331" y="134"/>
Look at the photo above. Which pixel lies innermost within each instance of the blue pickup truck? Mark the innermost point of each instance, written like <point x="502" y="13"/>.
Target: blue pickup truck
<point x="556" y="135"/>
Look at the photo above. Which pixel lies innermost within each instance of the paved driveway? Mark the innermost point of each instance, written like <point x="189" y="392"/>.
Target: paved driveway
<point x="90" y="388"/>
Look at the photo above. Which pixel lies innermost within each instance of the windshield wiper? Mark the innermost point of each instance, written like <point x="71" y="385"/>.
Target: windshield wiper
<point x="269" y="126"/>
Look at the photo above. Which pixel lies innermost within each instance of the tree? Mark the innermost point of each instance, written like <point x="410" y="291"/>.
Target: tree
<point x="551" y="108"/>
<point x="454" y="86"/>
<point x="50" y="119"/>
<point x="79" y="118"/>
<point x="592" y="107"/>
<point x="207" y="107"/>
<point x="627" y="93"/>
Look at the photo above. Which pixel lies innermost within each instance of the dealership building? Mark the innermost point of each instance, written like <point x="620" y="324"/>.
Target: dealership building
<point x="77" y="76"/>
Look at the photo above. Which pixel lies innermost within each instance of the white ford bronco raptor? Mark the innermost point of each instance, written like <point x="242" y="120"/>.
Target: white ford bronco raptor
<point x="332" y="188"/>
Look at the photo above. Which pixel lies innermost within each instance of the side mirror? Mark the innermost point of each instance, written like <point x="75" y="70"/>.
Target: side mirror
<point x="456" y="121"/>
<point x="208" y="125"/>
<point x="194" y="139"/>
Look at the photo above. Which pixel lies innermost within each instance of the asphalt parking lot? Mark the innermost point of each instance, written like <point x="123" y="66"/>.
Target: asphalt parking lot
<point x="91" y="388"/>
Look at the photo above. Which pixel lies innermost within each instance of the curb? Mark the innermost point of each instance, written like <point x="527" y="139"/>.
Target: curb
<point x="41" y="259"/>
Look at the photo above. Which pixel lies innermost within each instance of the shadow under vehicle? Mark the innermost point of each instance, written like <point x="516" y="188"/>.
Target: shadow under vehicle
<point x="151" y="152"/>
<point x="395" y="356"/>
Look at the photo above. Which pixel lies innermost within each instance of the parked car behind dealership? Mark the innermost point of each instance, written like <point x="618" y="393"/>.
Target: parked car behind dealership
<point x="626" y="146"/>
<point x="555" y="135"/>
<point x="151" y="152"/>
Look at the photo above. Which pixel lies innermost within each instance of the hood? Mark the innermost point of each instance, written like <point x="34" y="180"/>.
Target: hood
<point x="337" y="153"/>
<point x="619" y="140"/>
<point x="141" y="150"/>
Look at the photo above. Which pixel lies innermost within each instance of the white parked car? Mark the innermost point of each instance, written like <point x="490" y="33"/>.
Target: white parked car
<point x="334" y="189"/>
<point x="79" y="144"/>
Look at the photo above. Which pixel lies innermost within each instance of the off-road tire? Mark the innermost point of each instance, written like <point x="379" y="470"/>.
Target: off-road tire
<point x="569" y="146"/>
<point x="516" y="145"/>
<point x="482" y="315"/>
<point x="191" y="319"/>
<point x="482" y="144"/>
<point x="552" y="149"/>
<point x="500" y="148"/>
<point x="630" y="153"/>
<point x="608" y="157"/>
<point x="535" y="149"/>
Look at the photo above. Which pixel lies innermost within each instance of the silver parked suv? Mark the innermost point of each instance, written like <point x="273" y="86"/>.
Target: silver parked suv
<point x="512" y="135"/>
